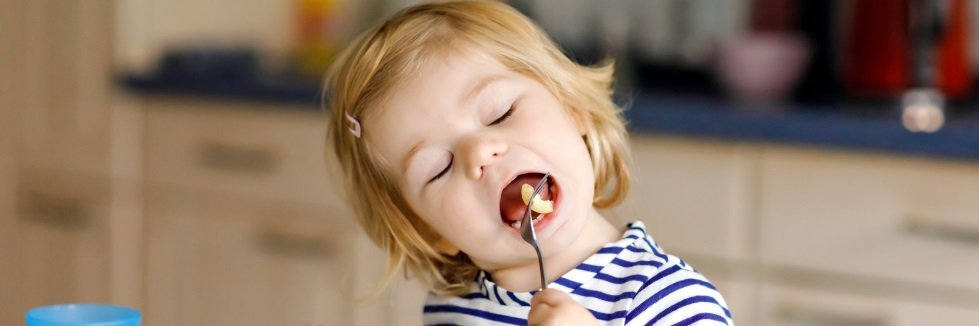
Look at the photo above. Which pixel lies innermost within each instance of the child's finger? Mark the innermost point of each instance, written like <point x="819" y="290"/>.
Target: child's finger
<point x="551" y="297"/>
<point x="539" y="314"/>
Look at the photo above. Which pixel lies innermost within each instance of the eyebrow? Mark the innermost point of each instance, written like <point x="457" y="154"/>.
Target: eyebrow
<point x="478" y="87"/>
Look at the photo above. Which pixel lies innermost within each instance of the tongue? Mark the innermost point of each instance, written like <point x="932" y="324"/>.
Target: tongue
<point x="512" y="206"/>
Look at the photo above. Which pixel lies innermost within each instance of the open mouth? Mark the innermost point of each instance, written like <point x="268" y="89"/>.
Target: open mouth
<point x="512" y="206"/>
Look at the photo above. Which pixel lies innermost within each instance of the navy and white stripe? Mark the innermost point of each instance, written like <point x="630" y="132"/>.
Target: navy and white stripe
<point x="628" y="282"/>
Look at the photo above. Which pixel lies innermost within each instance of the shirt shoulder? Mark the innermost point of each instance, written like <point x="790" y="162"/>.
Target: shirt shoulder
<point x="674" y="292"/>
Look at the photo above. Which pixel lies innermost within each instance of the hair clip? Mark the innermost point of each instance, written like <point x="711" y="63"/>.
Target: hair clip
<point x="356" y="125"/>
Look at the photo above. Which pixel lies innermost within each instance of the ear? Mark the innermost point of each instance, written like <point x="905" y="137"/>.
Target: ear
<point x="443" y="246"/>
<point x="581" y="121"/>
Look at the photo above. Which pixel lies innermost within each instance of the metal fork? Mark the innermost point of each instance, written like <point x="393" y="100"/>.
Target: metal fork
<point x="527" y="228"/>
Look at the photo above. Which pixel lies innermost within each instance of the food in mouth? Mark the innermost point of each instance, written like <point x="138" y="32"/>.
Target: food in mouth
<point x="515" y="198"/>
<point x="536" y="204"/>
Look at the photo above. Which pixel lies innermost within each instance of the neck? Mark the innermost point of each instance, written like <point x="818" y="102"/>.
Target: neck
<point x="595" y="234"/>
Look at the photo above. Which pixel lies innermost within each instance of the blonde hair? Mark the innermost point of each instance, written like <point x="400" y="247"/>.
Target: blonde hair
<point x="393" y="50"/>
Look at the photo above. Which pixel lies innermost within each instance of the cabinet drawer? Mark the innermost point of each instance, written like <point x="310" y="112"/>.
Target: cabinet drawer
<point x="785" y="305"/>
<point x="898" y="219"/>
<point x="252" y="149"/>
<point x="224" y="260"/>
<point x="693" y="195"/>
<point x="62" y="238"/>
<point x="62" y="200"/>
<point x="400" y="304"/>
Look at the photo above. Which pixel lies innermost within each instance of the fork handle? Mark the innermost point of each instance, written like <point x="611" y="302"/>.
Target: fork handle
<point x="540" y="262"/>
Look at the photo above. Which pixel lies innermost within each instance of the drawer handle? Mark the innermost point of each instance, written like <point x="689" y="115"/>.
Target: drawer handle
<point x="798" y="314"/>
<point x="227" y="157"/>
<point x="56" y="212"/>
<point x="280" y="244"/>
<point x="924" y="227"/>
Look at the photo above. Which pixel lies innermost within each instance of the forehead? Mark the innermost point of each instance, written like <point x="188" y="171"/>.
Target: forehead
<point x="432" y="95"/>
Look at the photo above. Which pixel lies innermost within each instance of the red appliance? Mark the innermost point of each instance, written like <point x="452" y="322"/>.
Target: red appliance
<point x="890" y="46"/>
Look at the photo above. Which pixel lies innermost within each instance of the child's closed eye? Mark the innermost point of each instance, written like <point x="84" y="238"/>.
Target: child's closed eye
<point x="444" y="170"/>
<point x="499" y="120"/>
<point x="504" y="116"/>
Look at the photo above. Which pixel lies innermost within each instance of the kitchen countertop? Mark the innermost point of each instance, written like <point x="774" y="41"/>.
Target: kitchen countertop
<point x="812" y="125"/>
<point x="655" y="113"/>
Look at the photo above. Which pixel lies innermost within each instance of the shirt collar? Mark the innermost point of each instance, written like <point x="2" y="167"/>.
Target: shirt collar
<point x="635" y="234"/>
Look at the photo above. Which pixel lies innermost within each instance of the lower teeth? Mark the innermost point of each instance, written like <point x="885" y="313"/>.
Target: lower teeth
<point x="516" y="224"/>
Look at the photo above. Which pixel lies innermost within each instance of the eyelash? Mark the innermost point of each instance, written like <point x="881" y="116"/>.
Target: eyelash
<point x="499" y="120"/>
<point x="503" y="117"/>
<point x="444" y="171"/>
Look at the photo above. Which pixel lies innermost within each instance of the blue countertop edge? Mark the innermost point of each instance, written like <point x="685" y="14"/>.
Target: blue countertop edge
<point x="884" y="132"/>
<point x="275" y="90"/>
<point x="653" y="113"/>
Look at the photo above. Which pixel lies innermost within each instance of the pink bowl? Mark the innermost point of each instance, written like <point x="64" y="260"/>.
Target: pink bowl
<point x="761" y="68"/>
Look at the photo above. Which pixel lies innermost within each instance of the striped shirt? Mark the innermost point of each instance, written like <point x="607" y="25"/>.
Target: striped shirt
<point x="628" y="282"/>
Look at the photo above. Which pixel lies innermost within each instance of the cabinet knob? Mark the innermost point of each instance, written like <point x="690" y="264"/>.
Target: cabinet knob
<point x="59" y="212"/>
<point x="922" y="226"/>
<point x="236" y="158"/>
<point x="276" y="240"/>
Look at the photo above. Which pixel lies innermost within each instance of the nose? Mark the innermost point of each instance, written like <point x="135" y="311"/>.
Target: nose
<point x="481" y="151"/>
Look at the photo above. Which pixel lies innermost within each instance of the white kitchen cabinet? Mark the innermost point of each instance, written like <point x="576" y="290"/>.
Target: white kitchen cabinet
<point x="62" y="82"/>
<point x="694" y="196"/>
<point x="218" y="172"/>
<point x="61" y="242"/>
<point x="9" y="308"/>
<point x="56" y="202"/>
<point x="698" y="200"/>
<point x="400" y="304"/>
<point x="881" y="217"/>
<point x="257" y="150"/>
<point x="741" y="296"/>
<point x="221" y="259"/>
<point x="792" y="305"/>
<point x="745" y="214"/>
<point x="407" y="300"/>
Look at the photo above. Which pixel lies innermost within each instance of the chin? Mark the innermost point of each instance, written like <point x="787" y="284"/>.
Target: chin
<point x="564" y="231"/>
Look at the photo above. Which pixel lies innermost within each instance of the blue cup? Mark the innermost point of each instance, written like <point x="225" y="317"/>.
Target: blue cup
<point x="83" y="315"/>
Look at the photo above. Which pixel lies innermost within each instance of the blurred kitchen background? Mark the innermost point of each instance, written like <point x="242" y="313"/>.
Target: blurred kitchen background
<point x="817" y="159"/>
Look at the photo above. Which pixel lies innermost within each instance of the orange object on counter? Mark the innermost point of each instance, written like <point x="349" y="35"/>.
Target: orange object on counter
<point x="317" y="26"/>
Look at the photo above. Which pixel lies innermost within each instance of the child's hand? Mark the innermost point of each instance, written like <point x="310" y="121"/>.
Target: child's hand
<point x="553" y="307"/>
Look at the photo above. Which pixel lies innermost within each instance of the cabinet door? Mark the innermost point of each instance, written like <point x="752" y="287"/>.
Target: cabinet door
<point x="870" y="216"/>
<point x="62" y="241"/>
<point x="739" y="294"/>
<point x="259" y="150"/>
<point x="222" y="260"/>
<point x="8" y="189"/>
<point x="786" y="305"/>
<point x="694" y="196"/>
<point x="400" y="304"/>
<point x="60" y="65"/>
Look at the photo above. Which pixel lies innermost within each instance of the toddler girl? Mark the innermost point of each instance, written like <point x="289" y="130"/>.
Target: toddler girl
<point x="439" y="115"/>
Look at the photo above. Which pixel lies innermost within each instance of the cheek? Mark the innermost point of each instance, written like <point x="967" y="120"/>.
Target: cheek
<point x="563" y="141"/>
<point x="457" y="214"/>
